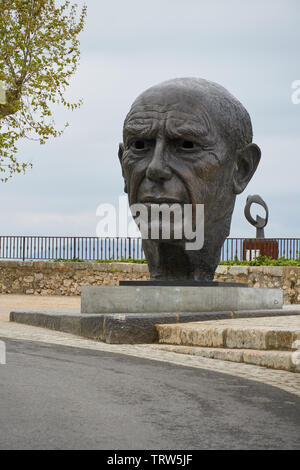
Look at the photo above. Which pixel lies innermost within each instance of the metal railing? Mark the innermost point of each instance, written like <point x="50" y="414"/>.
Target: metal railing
<point x="85" y="248"/>
<point x="93" y="248"/>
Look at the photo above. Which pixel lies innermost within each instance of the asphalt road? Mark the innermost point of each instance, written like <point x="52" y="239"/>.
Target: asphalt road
<point x="56" y="397"/>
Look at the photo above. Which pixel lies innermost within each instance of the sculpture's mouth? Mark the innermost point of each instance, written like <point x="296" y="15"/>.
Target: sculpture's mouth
<point x="160" y="200"/>
<point x="164" y="218"/>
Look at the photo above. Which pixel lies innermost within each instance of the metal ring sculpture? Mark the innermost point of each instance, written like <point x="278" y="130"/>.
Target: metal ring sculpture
<point x="260" y="222"/>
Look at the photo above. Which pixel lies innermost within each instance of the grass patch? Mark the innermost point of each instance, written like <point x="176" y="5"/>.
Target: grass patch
<point x="264" y="261"/>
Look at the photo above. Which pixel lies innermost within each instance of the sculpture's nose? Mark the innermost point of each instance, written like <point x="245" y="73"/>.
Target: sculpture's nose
<point x="158" y="170"/>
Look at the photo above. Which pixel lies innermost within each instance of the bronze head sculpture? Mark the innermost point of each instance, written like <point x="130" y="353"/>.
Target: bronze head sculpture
<point x="188" y="141"/>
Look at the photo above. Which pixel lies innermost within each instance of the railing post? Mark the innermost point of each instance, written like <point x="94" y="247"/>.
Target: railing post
<point x="23" y="257"/>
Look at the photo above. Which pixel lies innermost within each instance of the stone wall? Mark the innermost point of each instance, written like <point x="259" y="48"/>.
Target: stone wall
<point x="52" y="278"/>
<point x="55" y="278"/>
<point x="283" y="277"/>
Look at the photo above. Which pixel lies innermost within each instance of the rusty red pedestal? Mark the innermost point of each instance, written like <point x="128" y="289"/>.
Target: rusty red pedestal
<point x="253" y="247"/>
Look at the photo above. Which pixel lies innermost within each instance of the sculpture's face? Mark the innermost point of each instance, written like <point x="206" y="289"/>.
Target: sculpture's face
<point x="174" y="152"/>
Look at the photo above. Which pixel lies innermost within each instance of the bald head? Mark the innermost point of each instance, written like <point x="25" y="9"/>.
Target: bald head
<point x="196" y="99"/>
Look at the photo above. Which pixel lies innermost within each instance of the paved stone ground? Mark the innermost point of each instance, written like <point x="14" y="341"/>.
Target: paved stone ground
<point x="9" y="302"/>
<point x="285" y="380"/>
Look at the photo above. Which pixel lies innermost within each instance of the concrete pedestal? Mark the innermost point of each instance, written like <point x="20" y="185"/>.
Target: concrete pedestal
<point x="176" y="299"/>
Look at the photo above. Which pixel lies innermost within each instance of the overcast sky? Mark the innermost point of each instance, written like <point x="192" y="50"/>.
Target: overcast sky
<point x="252" y="47"/>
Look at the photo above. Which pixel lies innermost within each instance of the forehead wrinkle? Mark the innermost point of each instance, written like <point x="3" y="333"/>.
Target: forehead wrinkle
<point x="168" y="111"/>
<point x="142" y="113"/>
<point x="181" y="127"/>
<point x="149" y="119"/>
<point x="156" y="108"/>
<point x="198" y="129"/>
<point x="143" y="127"/>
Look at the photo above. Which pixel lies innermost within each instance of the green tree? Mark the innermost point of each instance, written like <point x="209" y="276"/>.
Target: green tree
<point x="39" y="53"/>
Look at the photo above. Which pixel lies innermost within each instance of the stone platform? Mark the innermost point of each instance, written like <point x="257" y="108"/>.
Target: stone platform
<point x="272" y="342"/>
<point x="129" y="314"/>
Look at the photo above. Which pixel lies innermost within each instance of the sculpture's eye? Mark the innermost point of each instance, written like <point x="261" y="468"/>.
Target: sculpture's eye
<point x="187" y="144"/>
<point x="139" y="144"/>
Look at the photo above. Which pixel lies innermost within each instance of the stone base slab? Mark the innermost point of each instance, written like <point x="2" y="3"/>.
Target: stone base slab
<point x="274" y="359"/>
<point x="189" y="283"/>
<point x="232" y="335"/>
<point x="163" y="299"/>
<point x="124" y="328"/>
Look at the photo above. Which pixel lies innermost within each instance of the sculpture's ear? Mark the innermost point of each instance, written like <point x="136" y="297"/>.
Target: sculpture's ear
<point x="246" y="164"/>
<point x="120" y="155"/>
